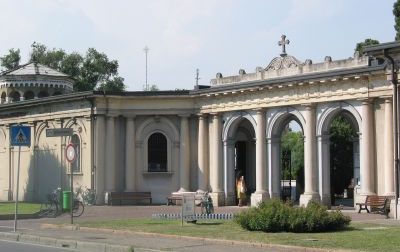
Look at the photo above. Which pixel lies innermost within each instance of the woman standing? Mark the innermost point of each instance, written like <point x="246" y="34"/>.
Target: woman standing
<point x="241" y="191"/>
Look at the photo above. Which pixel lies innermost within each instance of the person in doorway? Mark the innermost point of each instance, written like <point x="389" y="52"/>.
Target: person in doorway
<point x="241" y="190"/>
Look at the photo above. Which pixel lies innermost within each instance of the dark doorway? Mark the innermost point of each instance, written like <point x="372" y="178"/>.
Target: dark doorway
<point x="342" y="136"/>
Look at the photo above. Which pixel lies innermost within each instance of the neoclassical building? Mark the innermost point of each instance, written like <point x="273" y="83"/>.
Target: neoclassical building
<point x="178" y="141"/>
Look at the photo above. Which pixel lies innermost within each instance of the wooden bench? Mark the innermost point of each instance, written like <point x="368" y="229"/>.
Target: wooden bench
<point x="123" y="196"/>
<point x="378" y="204"/>
<point x="173" y="198"/>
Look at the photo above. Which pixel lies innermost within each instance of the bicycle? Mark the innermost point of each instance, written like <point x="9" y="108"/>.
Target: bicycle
<point x="206" y="204"/>
<point x="52" y="207"/>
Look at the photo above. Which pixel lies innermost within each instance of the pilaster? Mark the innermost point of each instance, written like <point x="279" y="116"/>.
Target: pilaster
<point x="184" y="156"/>
<point x="130" y="152"/>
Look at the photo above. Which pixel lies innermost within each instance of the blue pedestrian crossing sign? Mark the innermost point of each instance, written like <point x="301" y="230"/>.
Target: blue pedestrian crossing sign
<point x="20" y="136"/>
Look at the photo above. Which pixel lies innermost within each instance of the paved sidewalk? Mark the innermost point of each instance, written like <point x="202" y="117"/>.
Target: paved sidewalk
<point x="48" y="231"/>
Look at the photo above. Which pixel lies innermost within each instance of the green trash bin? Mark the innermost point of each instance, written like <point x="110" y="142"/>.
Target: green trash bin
<point x="66" y="203"/>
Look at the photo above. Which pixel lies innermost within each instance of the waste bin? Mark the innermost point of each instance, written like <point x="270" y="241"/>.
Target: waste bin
<point x="66" y="203"/>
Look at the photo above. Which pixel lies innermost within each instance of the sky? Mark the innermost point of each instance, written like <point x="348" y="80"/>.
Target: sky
<point x="184" y="35"/>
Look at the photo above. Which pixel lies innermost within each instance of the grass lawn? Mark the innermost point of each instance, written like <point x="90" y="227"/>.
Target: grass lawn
<point x="365" y="237"/>
<point x="23" y="208"/>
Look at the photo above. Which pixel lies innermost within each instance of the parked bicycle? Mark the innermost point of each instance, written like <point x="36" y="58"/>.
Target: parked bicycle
<point x="206" y="204"/>
<point x="52" y="206"/>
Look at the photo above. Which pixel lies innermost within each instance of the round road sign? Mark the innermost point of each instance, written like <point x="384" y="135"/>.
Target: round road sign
<point x="70" y="153"/>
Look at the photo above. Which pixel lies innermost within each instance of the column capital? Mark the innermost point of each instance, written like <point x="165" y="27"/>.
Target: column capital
<point x="132" y="116"/>
<point x="309" y="106"/>
<point x="366" y="100"/>
<point x="202" y="115"/>
<point x="187" y="115"/>
<point x="260" y="110"/>
<point x="109" y="116"/>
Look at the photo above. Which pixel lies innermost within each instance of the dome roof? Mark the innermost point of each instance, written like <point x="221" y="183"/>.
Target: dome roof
<point x="33" y="69"/>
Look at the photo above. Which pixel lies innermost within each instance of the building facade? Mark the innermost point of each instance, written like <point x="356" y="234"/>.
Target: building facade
<point x="178" y="141"/>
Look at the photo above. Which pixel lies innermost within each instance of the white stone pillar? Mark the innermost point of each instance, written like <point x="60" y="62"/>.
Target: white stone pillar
<point x="273" y="167"/>
<point x="130" y="185"/>
<point x="110" y="154"/>
<point x="229" y="170"/>
<point x="216" y="167"/>
<point x="261" y="194"/>
<point x="324" y="170"/>
<point x="310" y="160"/>
<point x="388" y="149"/>
<point x="202" y="155"/>
<point x="184" y="158"/>
<point x="99" y="148"/>
<point x="367" y="149"/>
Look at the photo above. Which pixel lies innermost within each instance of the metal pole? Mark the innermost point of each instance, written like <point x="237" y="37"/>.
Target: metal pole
<point x="72" y="192"/>
<point x="16" y="200"/>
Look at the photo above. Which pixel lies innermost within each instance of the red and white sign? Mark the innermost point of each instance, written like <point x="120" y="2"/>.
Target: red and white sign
<point x="70" y="153"/>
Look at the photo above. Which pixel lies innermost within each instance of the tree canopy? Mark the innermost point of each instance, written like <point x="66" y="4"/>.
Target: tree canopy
<point x="11" y="60"/>
<point x="396" y="13"/>
<point x="367" y="42"/>
<point x="92" y="71"/>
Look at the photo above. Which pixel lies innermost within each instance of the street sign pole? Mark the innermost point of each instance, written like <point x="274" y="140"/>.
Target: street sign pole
<point x="19" y="136"/>
<point x="72" y="192"/>
<point x="17" y="194"/>
<point x="70" y="155"/>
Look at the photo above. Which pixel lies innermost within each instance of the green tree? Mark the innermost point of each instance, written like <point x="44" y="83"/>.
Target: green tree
<point x="152" y="88"/>
<point x="94" y="71"/>
<point x="11" y="60"/>
<point x="293" y="142"/>
<point x="367" y="42"/>
<point x="396" y="13"/>
<point x="341" y="158"/>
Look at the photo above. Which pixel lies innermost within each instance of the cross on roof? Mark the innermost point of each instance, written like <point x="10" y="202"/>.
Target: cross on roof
<point x="283" y="42"/>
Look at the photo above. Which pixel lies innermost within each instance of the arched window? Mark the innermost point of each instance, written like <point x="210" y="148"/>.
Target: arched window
<point x="76" y="166"/>
<point x="157" y="153"/>
<point x="3" y="97"/>
<point x="29" y="95"/>
<point x="43" y="94"/>
<point x="15" y="96"/>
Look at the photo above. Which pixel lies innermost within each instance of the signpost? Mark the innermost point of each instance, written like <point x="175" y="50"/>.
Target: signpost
<point x="59" y="132"/>
<point x="19" y="136"/>
<point x="188" y="206"/>
<point x="70" y="155"/>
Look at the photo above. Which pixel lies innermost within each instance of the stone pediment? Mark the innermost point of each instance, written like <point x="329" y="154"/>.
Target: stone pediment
<point x="283" y="62"/>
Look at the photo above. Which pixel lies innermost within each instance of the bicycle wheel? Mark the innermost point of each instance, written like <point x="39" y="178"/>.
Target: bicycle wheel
<point x="78" y="208"/>
<point x="52" y="209"/>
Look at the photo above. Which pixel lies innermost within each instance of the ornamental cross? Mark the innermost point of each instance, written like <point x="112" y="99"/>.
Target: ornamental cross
<point x="283" y="42"/>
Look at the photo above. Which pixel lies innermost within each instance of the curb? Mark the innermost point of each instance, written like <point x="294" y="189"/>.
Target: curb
<point x="61" y="243"/>
<point x="201" y="239"/>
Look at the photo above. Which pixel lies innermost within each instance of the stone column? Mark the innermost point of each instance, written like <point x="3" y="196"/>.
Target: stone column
<point x="388" y="149"/>
<point x="184" y="157"/>
<point x="324" y="170"/>
<point x="367" y="149"/>
<point x="110" y="154"/>
<point x="261" y="194"/>
<point x="229" y="170"/>
<point x="202" y="155"/>
<point x="216" y="167"/>
<point x="273" y="167"/>
<point x="130" y="152"/>
<point x="310" y="160"/>
<point x="99" y="148"/>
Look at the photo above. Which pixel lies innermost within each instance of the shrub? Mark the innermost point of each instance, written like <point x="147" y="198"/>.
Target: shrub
<point x="276" y="216"/>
